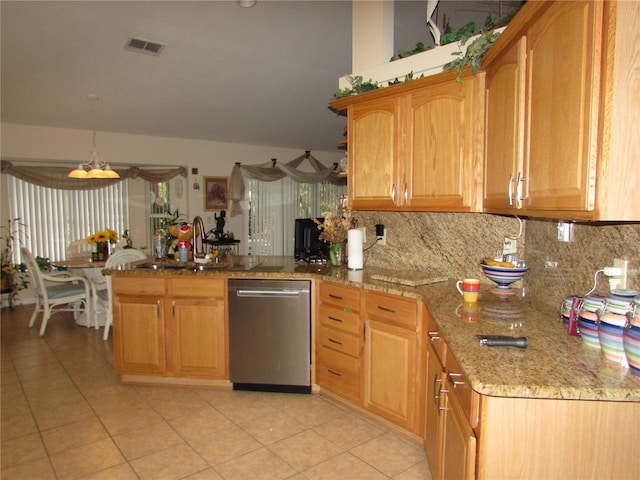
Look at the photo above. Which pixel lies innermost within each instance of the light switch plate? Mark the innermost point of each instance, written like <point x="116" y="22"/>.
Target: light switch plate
<point x="509" y="246"/>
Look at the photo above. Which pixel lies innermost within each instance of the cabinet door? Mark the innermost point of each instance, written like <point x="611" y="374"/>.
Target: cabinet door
<point x="390" y="373"/>
<point x="198" y="335"/>
<point x="458" y="442"/>
<point x="433" y="418"/>
<point x="563" y="68"/>
<point x="443" y="164"/>
<point x="504" y="127"/>
<point x="139" y="335"/>
<point x="373" y="154"/>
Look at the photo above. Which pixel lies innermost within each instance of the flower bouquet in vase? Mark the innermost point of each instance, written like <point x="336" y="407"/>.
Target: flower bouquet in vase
<point x="101" y="242"/>
<point x="334" y="231"/>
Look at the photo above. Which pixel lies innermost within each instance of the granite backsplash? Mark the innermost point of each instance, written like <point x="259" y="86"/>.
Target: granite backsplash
<point x="454" y="243"/>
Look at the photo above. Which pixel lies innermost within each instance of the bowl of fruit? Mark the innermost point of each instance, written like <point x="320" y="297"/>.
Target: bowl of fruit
<point x="503" y="274"/>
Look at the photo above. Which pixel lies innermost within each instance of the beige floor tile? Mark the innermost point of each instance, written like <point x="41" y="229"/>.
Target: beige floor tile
<point x="64" y="414"/>
<point x="208" y="474"/>
<point x="349" y="430"/>
<point x="344" y="467"/>
<point x="117" y="472"/>
<point x="107" y="399"/>
<point x="305" y="449"/>
<point x="40" y="469"/>
<point x="53" y="398"/>
<point x="14" y="403"/>
<point x="17" y="426"/>
<point x="129" y="417"/>
<point x="42" y="357"/>
<point x="260" y="464"/>
<point x="389" y="454"/>
<point x="246" y="408"/>
<point x="147" y="440"/>
<point x="419" y="471"/>
<point x="86" y="459"/>
<point x="73" y="435"/>
<point x="315" y="411"/>
<point x="272" y="427"/>
<point x="173" y="463"/>
<point x="21" y="450"/>
<point x="224" y="445"/>
<point x="206" y="421"/>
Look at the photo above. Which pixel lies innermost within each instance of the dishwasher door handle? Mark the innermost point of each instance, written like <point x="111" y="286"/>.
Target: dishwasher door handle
<point x="269" y="293"/>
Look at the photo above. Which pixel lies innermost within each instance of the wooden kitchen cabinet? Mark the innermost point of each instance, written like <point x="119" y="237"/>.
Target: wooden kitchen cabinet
<point x="198" y="336"/>
<point x="394" y="367"/>
<point x="139" y="326"/>
<point x="560" y="97"/>
<point x="339" y="341"/>
<point x="417" y="146"/>
<point x="170" y="327"/>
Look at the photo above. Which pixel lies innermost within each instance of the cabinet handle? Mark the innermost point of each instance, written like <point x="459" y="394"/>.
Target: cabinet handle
<point x="436" y="391"/>
<point x="433" y="336"/>
<point x="440" y="407"/>
<point x="393" y="194"/>
<point x="386" y="309"/>
<point x="406" y="194"/>
<point x="510" y="189"/>
<point x="339" y="320"/>
<point x="333" y="372"/>
<point x="452" y="379"/>
<point x="337" y="297"/>
<point x="519" y="181"/>
<point x="158" y="307"/>
<point x="335" y="341"/>
<point x="173" y="309"/>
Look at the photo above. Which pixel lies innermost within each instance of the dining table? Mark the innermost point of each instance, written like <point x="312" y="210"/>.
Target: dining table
<point x="85" y="267"/>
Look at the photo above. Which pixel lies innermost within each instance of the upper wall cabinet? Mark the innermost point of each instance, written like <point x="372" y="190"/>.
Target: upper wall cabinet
<point x="417" y="146"/>
<point x="561" y="113"/>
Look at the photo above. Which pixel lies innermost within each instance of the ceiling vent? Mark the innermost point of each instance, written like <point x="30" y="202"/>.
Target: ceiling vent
<point x="144" y="46"/>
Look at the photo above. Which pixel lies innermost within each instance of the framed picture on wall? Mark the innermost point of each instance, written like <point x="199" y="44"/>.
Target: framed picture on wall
<point x="216" y="193"/>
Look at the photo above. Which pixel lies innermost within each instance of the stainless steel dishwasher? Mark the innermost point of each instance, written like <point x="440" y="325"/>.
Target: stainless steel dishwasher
<point x="270" y="335"/>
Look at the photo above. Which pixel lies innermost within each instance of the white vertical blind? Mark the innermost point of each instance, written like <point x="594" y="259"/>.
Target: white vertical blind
<point x="274" y="206"/>
<point x="54" y="218"/>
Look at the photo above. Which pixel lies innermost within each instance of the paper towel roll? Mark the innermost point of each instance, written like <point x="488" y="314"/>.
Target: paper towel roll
<point x="354" y="249"/>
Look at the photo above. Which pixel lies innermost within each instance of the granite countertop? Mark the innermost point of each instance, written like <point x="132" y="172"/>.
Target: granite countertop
<point x="554" y="365"/>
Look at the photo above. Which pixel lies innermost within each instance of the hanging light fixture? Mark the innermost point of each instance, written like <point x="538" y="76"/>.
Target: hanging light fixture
<point x="94" y="167"/>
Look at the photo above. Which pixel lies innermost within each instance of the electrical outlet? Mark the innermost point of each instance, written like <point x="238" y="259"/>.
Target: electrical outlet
<point x="565" y="232"/>
<point x="509" y="246"/>
<point x="621" y="281"/>
<point x="382" y="240"/>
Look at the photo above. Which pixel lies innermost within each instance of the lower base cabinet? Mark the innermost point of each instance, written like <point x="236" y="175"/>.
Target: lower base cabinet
<point x="173" y="327"/>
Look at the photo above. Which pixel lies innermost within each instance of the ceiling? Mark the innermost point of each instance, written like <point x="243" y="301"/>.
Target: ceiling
<point x="260" y="75"/>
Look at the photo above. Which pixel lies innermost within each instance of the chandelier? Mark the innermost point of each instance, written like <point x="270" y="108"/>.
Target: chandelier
<point x="94" y="167"/>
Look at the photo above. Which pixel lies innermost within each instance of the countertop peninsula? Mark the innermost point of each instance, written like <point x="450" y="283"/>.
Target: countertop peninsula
<point x="554" y="365"/>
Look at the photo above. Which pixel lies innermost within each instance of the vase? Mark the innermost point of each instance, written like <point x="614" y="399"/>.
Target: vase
<point x="101" y="252"/>
<point x="336" y="253"/>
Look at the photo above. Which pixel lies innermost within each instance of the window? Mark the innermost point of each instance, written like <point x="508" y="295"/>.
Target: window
<point x="274" y="206"/>
<point x="54" y="218"/>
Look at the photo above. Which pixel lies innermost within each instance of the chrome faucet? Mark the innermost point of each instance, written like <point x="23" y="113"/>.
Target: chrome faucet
<point x="198" y="231"/>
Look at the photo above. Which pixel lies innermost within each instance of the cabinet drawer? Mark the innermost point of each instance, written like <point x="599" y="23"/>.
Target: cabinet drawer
<point x="146" y="285"/>
<point x="347" y="298"/>
<point x="402" y="311"/>
<point x="196" y="287"/>
<point x="459" y="387"/>
<point x="338" y="373"/>
<point x="435" y="340"/>
<point x="340" y="341"/>
<point x="334" y="317"/>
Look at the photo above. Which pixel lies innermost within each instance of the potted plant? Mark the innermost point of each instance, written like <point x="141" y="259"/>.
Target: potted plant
<point x="12" y="275"/>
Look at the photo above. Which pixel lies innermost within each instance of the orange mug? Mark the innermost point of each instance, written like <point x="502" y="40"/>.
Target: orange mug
<point x="469" y="288"/>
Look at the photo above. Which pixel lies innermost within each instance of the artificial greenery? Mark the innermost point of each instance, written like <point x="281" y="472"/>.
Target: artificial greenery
<point x="474" y="53"/>
<point x="357" y="86"/>
<point x="407" y="53"/>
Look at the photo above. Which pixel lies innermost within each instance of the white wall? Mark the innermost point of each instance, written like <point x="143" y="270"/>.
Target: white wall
<point x="55" y="145"/>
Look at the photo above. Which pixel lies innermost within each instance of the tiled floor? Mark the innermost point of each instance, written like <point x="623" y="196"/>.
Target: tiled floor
<point x="65" y="416"/>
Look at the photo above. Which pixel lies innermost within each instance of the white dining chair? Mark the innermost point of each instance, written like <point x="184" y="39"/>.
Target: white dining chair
<point x="56" y="293"/>
<point x="78" y="248"/>
<point x="101" y="286"/>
